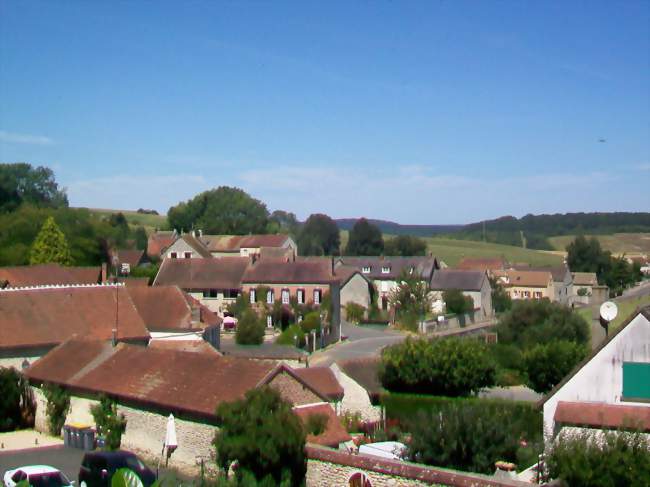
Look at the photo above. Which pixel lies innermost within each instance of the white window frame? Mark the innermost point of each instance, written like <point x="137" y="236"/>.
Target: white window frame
<point x="385" y="269"/>
<point x="269" y="321"/>
<point x="270" y="298"/>
<point x="286" y="296"/>
<point x="252" y="296"/>
<point x="366" y="269"/>
<point x="317" y="296"/>
<point x="301" y="296"/>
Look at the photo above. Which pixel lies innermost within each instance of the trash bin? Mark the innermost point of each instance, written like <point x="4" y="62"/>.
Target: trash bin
<point x="75" y="436"/>
<point x="66" y="435"/>
<point x="88" y="437"/>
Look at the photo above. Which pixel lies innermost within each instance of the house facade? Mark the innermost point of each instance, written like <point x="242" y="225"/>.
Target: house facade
<point x="187" y="246"/>
<point x="529" y="284"/>
<point x="355" y="287"/>
<point x="584" y="289"/>
<point x="611" y="388"/>
<point x="474" y="284"/>
<point x="249" y="245"/>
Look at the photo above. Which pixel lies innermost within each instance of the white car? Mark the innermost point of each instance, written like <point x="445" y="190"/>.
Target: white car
<point x="37" y="476"/>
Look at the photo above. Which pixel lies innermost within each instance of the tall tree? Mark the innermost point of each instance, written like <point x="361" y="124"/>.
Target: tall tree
<point x="263" y="435"/>
<point x="319" y="236"/>
<point x="22" y="183"/>
<point x="405" y="246"/>
<point x="50" y="245"/>
<point x="365" y="239"/>
<point x="284" y="222"/>
<point x="223" y="210"/>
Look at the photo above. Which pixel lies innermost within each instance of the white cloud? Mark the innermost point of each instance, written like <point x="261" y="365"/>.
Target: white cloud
<point x="16" y="138"/>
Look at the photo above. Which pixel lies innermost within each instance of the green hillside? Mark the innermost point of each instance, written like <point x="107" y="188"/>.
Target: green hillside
<point x="150" y="222"/>
<point x="619" y="243"/>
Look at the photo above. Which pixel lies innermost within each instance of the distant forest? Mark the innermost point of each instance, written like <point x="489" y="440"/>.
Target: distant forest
<point x="392" y="228"/>
<point x="532" y="231"/>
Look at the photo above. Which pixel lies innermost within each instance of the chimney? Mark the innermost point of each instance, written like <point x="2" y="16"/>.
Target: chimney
<point x="104" y="273"/>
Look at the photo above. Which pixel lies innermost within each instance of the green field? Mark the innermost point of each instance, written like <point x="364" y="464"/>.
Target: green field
<point x="150" y="222"/>
<point x="451" y="251"/>
<point x="618" y="243"/>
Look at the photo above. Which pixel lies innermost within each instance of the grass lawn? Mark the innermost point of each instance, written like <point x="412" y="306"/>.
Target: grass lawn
<point x="150" y="222"/>
<point x="451" y="251"/>
<point x="618" y="243"/>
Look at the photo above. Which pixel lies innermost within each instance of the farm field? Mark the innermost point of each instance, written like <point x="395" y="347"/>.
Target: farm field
<point x="618" y="243"/>
<point x="150" y="222"/>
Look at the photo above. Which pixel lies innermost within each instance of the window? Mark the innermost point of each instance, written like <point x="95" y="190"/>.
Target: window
<point x="285" y="296"/>
<point x="188" y="255"/>
<point x="269" y="297"/>
<point x="301" y="296"/>
<point x="210" y="293"/>
<point x="252" y="296"/>
<point x="636" y="382"/>
<point x="385" y="270"/>
<point x="173" y="255"/>
<point x="366" y="269"/>
<point x="317" y="296"/>
<point x="269" y="321"/>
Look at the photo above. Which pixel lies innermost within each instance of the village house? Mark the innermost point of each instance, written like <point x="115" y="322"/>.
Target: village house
<point x="187" y="246"/>
<point x="50" y="275"/>
<point x="584" y="289"/>
<point x="385" y="272"/>
<point x="249" y="245"/>
<point x="561" y="280"/>
<point x="151" y="383"/>
<point x="474" y="284"/>
<point x="123" y="261"/>
<point x="620" y="367"/>
<point x="158" y="241"/>
<point x="529" y="284"/>
<point x="354" y="287"/>
<point x="494" y="266"/>
<point x="216" y="283"/>
<point x="35" y="320"/>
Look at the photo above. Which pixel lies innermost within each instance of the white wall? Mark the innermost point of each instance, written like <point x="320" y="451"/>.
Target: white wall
<point x="355" y="397"/>
<point x="601" y="379"/>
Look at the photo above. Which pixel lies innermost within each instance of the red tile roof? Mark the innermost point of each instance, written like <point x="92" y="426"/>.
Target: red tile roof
<point x="334" y="433"/>
<point x="128" y="256"/>
<point x="166" y="308"/>
<point x="187" y="382"/>
<point x="529" y="278"/>
<point x="299" y="272"/>
<point x="601" y="415"/>
<point x="159" y="241"/>
<point x="49" y="316"/>
<point x="198" y="346"/>
<point x="482" y="264"/>
<point x="222" y="273"/>
<point x="233" y="243"/>
<point x="323" y="379"/>
<point x="48" y="274"/>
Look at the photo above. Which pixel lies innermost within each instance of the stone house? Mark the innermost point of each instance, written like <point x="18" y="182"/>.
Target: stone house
<point x="355" y="287"/>
<point x="187" y="246"/>
<point x="35" y="320"/>
<point x="529" y="284"/>
<point x="149" y="383"/>
<point x="158" y="241"/>
<point x="610" y="388"/>
<point x="561" y="280"/>
<point x="474" y="284"/>
<point x="250" y="245"/>
<point x="584" y="289"/>
<point x="216" y="283"/>
<point x="49" y="275"/>
<point x="385" y="272"/>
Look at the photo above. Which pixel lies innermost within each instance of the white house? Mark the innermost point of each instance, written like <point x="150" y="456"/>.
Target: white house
<point x="611" y="388"/>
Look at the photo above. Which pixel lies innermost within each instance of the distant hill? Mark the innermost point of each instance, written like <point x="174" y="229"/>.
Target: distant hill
<point x="533" y="231"/>
<point x="393" y="228"/>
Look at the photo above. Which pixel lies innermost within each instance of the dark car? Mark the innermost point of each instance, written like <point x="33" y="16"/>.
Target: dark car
<point x="98" y="467"/>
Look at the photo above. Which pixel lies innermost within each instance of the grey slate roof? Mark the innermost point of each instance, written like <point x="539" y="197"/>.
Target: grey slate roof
<point x="457" y="279"/>
<point x="424" y="266"/>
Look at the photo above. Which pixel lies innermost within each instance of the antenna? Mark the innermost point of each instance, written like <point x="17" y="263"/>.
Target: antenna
<point x="608" y="311"/>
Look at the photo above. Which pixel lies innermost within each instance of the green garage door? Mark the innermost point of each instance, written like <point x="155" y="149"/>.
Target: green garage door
<point x="636" y="381"/>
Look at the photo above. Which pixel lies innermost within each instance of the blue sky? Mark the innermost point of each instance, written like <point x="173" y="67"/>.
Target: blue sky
<point x="419" y="112"/>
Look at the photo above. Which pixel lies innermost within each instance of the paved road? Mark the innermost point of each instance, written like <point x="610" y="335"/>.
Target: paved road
<point x="636" y="291"/>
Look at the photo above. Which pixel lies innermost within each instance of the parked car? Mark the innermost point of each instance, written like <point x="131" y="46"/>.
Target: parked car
<point x="98" y="467"/>
<point x="37" y="476"/>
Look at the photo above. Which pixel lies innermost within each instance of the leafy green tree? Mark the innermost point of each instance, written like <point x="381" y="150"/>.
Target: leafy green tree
<point x="319" y="236"/>
<point x="284" y="222"/>
<point x="110" y="424"/>
<point x="365" y="239"/>
<point x="311" y="322"/>
<point x="17" y="406"/>
<point x="501" y="300"/>
<point x="354" y="312"/>
<point x="292" y="335"/>
<point x="411" y="300"/>
<point x="58" y="405"/>
<point x="547" y="364"/>
<point x="141" y="238"/>
<point x="22" y="183"/>
<point x="250" y="329"/>
<point x="405" y="246"/>
<point x="456" y="302"/>
<point x="50" y="246"/>
<point x="223" y="210"/>
<point x="612" y="458"/>
<point x="263" y="435"/>
<point x="240" y="306"/>
<point x="531" y="322"/>
<point x="447" y="367"/>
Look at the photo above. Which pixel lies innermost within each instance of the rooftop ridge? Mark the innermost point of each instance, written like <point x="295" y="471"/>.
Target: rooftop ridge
<point x="62" y="286"/>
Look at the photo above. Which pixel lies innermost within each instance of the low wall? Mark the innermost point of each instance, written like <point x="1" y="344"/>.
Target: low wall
<point x="330" y="468"/>
<point x="456" y="322"/>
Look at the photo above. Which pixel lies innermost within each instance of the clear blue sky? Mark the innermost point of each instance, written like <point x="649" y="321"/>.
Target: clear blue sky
<point x="418" y="112"/>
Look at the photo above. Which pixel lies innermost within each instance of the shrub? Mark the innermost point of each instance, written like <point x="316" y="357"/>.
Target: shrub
<point x="583" y="291"/>
<point x="311" y="322"/>
<point x="456" y="302"/>
<point x="354" y="312"/>
<point x="17" y="405"/>
<point x="240" y="306"/>
<point x="58" y="405"/>
<point x="449" y="366"/>
<point x="110" y="424"/>
<point x="611" y="458"/>
<point x="316" y="424"/>
<point x="352" y="421"/>
<point x="547" y="364"/>
<point x="250" y="329"/>
<point x="292" y="335"/>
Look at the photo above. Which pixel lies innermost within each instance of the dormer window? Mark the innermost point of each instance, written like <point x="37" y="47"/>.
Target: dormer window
<point x="188" y="255"/>
<point x="173" y="255"/>
<point x="385" y="269"/>
<point x="366" y="269"/>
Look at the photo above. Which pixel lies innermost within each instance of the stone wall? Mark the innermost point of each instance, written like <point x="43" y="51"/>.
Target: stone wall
<point x="355" y="397"/>
<point x="293" y="391"/>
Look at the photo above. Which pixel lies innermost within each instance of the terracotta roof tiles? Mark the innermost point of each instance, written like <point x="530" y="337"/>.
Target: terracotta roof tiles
<point x="222" y="273"/>
<point x="48" y="274"/>
<point x="334" y="433"/>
